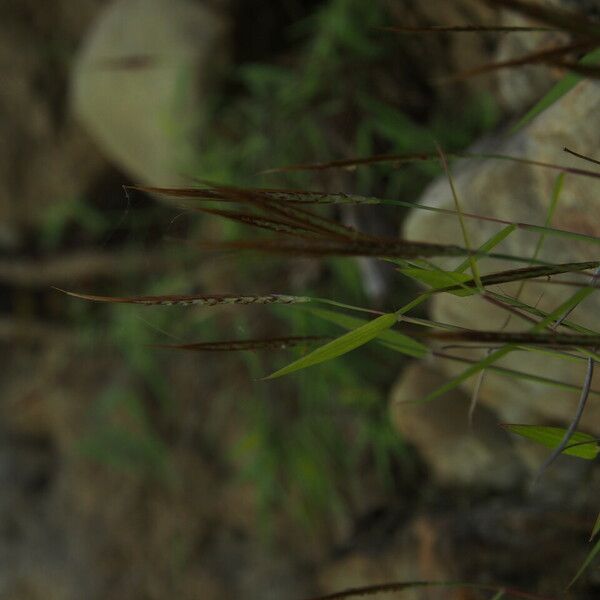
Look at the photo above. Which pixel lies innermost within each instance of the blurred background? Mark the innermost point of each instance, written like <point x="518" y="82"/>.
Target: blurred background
<point x="136" y="472"/>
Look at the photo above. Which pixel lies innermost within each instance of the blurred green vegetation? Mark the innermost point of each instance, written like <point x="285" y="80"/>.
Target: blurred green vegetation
<point x="325" y="105"/>
<point x="306" y="440"/>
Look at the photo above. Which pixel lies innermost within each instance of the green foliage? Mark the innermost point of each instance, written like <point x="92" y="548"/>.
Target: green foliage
<point x="77" y="213"/>
<point x="389" y="338"/>
<point x="304" y="444"/>
<point x="581" y="445"/>
<point x="121" y="436"/>
<point x="347" y="342"/>
<point x="283" y="114"/>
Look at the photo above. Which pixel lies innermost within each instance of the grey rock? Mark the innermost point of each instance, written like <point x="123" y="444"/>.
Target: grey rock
<point x="522" y="193"/>
<point x="480" y="455"/>
<point x="518" y="89"/>
<point x="141" y="80"/>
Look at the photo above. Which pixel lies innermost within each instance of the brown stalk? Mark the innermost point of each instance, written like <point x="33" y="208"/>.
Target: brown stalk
<point x="242" y="345"/>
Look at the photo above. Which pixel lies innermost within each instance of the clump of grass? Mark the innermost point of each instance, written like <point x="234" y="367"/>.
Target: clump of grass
<point x="296" y="227"/>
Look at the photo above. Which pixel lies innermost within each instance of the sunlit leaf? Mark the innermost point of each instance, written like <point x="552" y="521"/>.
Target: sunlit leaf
<point x="363" y="334"/>
<point x="519" y="374"/>
<point x="581" y="445"/>
<point x="390" y="338"/>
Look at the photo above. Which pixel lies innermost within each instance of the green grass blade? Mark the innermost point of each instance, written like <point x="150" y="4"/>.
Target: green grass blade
<point x="556" y="192"/>
<point x="390" y="338"/>
<point x="462" y="285"/>
<point x="351" y="340"/>
<point x="539" y="313"/>
<point x="489" y="360"/>
<point x="520" y="374"/>
<point x="563" y="233"/>
<point x="581" y="445"/>
<point x="495" y="356"/>
<point x="461" y="220"/>
<point x="489" y="245"/>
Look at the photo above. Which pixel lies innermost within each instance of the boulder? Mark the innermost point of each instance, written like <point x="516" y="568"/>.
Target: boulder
<point x="457" y="452"/>
<point x="518" y="193"/>
<point x="141" y="81"/>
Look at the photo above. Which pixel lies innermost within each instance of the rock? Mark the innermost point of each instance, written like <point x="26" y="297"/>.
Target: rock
<point x="517" y="192"/>
<point x="518" y="89"/>
<point x="480" y="456"/>
<point x="141" y="81"/>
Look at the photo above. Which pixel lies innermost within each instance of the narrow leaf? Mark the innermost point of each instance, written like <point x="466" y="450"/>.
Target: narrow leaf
<point x="496" y="239"/>
<point x="519" y="374"/>
<point x="437" y="279"/>
<point x="390" y="338"/>
<point x="341" y="345"/>
<point x="581" y="445"/>
<point x="500" y="353"/>
<point x="539" y="313"/>
<point x="463" y="226"/>
<point x="596" y="528"/>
